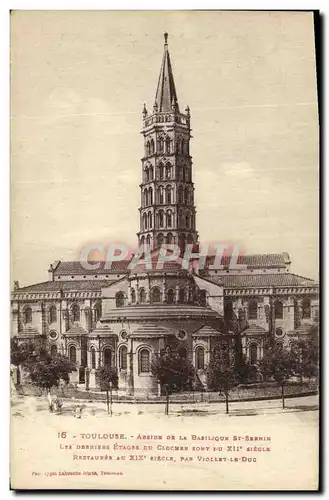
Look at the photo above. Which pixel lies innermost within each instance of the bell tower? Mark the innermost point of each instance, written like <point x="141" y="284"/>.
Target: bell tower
<point x="167" y="211"/>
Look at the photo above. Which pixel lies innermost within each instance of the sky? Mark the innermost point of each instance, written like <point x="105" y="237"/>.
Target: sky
<point x="78" y="84"/>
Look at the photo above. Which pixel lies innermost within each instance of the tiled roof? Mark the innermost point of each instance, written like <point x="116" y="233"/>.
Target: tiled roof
<point x="254" y="330"/>
<point x="74" y="267"/>
<point x="257" y="260"/>
<point x="55" y="286"/>
<point x="261" y="280"/>
<point x="207" y="331"/>
<point x="76" y="329"/>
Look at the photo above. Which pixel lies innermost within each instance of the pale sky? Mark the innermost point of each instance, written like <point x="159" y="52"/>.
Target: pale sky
<point x="79" y="81"/>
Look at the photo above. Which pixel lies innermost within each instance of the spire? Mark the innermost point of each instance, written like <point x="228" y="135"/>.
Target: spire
<point x="166" y="97"/>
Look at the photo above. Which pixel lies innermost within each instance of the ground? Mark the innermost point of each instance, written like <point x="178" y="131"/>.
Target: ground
<point x="285" y="457"/>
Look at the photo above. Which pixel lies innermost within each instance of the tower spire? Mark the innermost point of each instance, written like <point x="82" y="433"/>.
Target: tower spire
<point x="166" y="91"/>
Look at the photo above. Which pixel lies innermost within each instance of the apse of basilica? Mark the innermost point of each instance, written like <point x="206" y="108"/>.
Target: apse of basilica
<point x="121" y="316"/>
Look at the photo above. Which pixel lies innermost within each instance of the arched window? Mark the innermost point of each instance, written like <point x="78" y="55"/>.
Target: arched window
<point x="107" y="357"/>
<point x="252" y="309"/>
<point x="144" y="221"/>
<point x="228" y="310"/>
<point x="151" y="173"/>
<point x="189" y="239"/>
<point x="187" y="221"/>
<point x="170" y="296"/>
<point x="150" y="220"/>
<point x="182" y="241"/>
<point x="120" y="299"/>
<point x="203" y="298"/>
<point x="53" y="350"/>
<point x="150" y="200"/>
<point x="160" y="195"/>
<point x="161" y="218"/>
<point x="168" y="171"/>
<point x="199" y="358"/>
<point x="148" y="148"/>
<point x="152" y="147"/>
<point x="155" y="295"/>
<point x="278" y="310"/>
<point x="142" y="240"/>
<point x="168" y="145"/>
<point x="148" y="240"/>
<point x="144" y="361"/>
<point x="160" y="239"/>
<point x="52" y="314"/>
<point x="170" y="238"/>
<point x="182" y="352"/>
<point x="145" y="198"/>
<point x="161" y="145"/>
<point x="161" y="169"/>
<point x="253" y="353"/>
<point x="180" y="194"/>
<point x="306" y="308"/>
<point x="75" y="312"/>
<point x="142" y="296"/>
<point x="73" y="354"/>
<point x="147" y="174"/>
<point x="169" y="218"/>
<point x="181" y="295"/>
<point x="27" y="315"/>
<point x="123" y="358"/>
<point x="98" y="310"/>
<point x="168" y="195"/>
<point x="93" y="358"/>
<point x="133" y="295"/>
<point x="186" y="195"/>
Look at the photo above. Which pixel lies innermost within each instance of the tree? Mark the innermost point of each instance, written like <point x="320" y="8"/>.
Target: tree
<point x="22" y="352"/>
<point x="280" y="365"/>
<point x="108" y="380"/>
<point x="46" y="371"/>
<point x="221" y="377"/>
<point x="307" y="350"/>
<point x="173" y="373"/>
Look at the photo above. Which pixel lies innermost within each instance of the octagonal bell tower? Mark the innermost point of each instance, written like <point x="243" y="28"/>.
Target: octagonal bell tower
<point x="167" y="211"/>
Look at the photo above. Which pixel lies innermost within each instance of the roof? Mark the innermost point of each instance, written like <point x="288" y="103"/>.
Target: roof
<point x="255" y="261"/>
<point x="74" y="285"/>
<point x="254" y="330"/>
<point x="76" y="329"/>
<point x="207" y="331"/>
<point x="74" y="267"/>
<point x="261" y="280"/>
<point x="166" y="91"/>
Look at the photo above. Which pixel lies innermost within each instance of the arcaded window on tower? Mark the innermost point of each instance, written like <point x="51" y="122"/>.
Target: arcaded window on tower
<point x="27" y="315"/>
<point x="151" y="173"/>
<point x="252" y="309"/>
<point x="167" y="145"/>
<point x="52" y="314"/>
<point x="170" y="238"/>
<point x="169" y="218"/>
<point x="98" y="310"/>
<point x="155" y="295"/>
<point x="133" y="296"/>
<point x="75" y="312"/>
<point x="199" y="358"/>
<point x="278" y="310"/>
<point x="306" y="309"/>
<point x="142" y="296"/>
<point x="160" y="239"/>
<point x="152" y="147"/>
<point x="119" y="299"/>
<point x="123" y="358"/>
<point x="168" y="171"/>
<point x="148" y="240"/>
<point x="144" y="222"/>
<point x="181" y="295"/>
<point x="161" y="195"/>
<point x="170" y="296"/>
<point x="161" y="145"/>
<point x="144" y="361"/>
<point x="161" y="218"/>
<point x="150" y="200"/>
<point x="168" y="195"/>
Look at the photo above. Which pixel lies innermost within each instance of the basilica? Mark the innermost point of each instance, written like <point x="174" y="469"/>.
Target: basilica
<point x="121" y="316"/>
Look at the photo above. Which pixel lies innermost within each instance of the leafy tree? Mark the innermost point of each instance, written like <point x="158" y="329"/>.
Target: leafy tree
<point x="174" y="373"/>
<point x="46" y="371"/>
<point x="279" y="364"/>
<point x="307" y="350"/>
<point x="221" y="377"/>
<point x="108" y="380"/>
